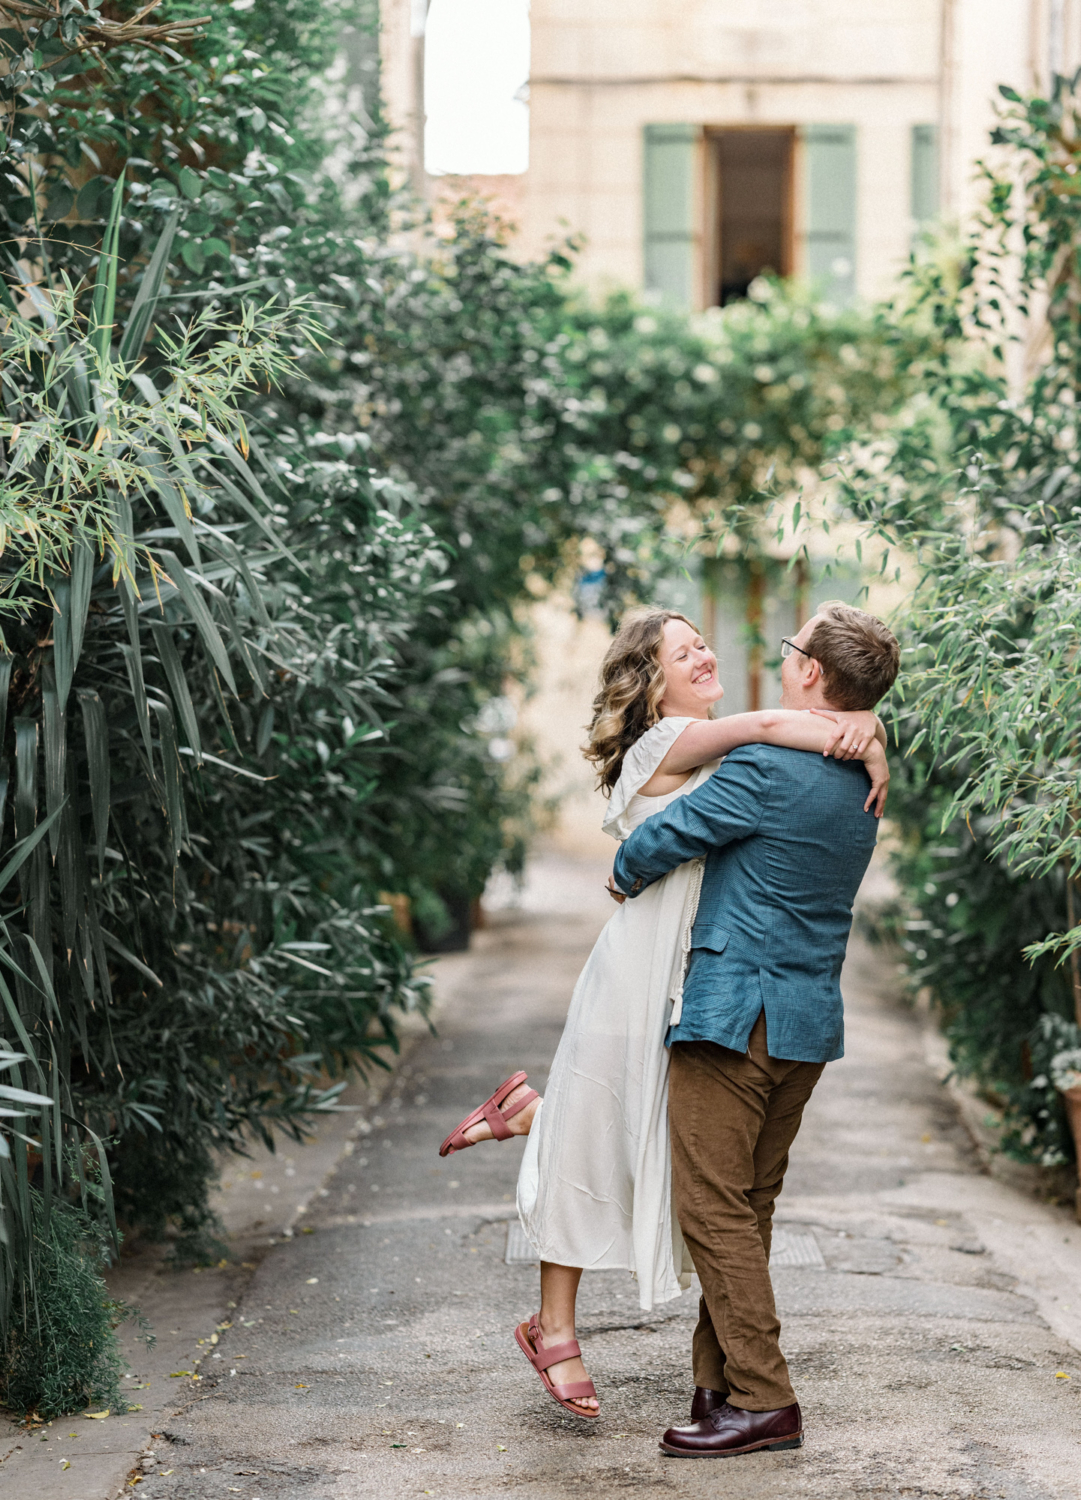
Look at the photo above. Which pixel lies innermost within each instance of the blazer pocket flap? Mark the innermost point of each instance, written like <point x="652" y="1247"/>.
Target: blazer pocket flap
<point x="709" y="935"/>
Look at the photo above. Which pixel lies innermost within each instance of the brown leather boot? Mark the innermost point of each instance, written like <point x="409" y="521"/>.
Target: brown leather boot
<point x="730" y="1430"/>
<point x="706" y="1401"/>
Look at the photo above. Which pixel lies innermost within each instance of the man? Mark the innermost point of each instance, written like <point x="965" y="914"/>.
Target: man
<point x="786" y="847"/>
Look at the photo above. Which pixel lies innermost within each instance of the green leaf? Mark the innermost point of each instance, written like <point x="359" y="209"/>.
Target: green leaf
<point x="22" y="1096"/>
<point x="200" y="615"/>
<point x="61" y="199"/>
<point x="125" y="953"/>
<point x="87" y="204"/>
<point x="217" y="247"/>
<point x="173" y="501"/>
<point x="265" y="729"/>
<point x="146" y="298"/>
<point x="72" y="602"/>
<point x="24" y="849"/>
<point x="55" y="747"/>
<point x="104" y="304"/>
<point x="191" y="184"/>
<point x="26" y="773"/>
<point x="96" y="734"/>
<point x="133" y="660"/>
<point x="193" y="256"/>
<point x="7" y="661"/>
<point x="174" y="672"/>
<point x="170" y="758"/>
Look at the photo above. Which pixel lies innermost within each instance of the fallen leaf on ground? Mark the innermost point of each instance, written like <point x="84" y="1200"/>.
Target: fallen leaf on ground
<point x="96" y="1416"/>
<point x="176" y="1374"/>
<point x="65" y="1463"/>
<point x="312" y="1281"/>
<point x="299" y="1387"/>
<point x="499" y="1448"/>
<point x="135" y="1406"/>
<point x="1061" y="1375"/>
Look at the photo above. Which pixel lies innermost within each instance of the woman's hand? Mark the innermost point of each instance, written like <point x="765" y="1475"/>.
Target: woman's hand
<point x="620" y="897"/>
<point x="878" y="770"/>
<point x="852" y="734"/>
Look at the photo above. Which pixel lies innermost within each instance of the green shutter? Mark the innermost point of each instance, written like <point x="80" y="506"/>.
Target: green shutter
<point x="669" y="211"/>
<point x="924" y="173"/>
<point x="830" y="209"/>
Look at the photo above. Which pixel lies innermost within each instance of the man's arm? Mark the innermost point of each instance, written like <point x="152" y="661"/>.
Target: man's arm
<point x="728" y="807"/>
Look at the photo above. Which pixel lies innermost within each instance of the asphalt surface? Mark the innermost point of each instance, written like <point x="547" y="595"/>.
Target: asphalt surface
<point x="374" y="1355"/>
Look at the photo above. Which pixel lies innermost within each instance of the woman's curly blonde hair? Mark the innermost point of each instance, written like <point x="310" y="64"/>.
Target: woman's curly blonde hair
<point x="632" y="686"/>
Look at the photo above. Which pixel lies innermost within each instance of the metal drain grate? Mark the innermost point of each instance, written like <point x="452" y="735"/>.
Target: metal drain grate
<point x="795" y="1250"/>
<point x="519" y="1250"/>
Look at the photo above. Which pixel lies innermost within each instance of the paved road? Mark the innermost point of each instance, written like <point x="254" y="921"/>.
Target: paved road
<point x="374" y="1357"/>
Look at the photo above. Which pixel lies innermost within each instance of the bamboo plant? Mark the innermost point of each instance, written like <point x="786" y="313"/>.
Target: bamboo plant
<point x="129" y="501"/>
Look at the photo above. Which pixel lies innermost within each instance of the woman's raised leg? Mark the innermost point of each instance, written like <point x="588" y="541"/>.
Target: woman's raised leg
<point x="509" y="1111"/>
<point x="517" y="1124"/>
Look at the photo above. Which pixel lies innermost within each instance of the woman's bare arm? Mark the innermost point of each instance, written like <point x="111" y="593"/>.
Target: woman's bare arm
<point x="848" y="739"/>
<point x="833" y="733"/>
<point x="706" y="739"/>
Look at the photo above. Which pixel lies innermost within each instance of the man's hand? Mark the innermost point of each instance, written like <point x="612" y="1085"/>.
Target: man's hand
<point x="852" y="733"/>
<point x="620" y="897"/>
<point x="877" y="768"/>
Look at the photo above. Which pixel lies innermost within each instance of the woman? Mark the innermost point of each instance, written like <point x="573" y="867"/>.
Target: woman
<point x="594" y="1189"/>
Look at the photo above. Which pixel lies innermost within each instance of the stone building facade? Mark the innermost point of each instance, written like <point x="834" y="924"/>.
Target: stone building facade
<point x="693" y="146"/>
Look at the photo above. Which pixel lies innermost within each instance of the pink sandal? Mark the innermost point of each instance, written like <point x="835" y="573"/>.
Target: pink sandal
<point x="528" y="1338"/>
<point x="490" y="1110"/>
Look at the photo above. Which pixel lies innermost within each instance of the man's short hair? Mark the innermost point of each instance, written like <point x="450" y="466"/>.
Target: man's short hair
<point x="859" y="656"/>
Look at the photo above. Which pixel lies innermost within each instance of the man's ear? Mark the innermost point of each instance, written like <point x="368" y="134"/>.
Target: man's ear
<point x="812" y="672"/>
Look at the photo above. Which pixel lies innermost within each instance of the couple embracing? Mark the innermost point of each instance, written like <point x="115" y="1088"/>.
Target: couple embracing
<point x="708" y="1008"/>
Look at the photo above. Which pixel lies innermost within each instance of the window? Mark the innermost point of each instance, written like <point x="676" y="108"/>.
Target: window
<point x="752" y="171"/>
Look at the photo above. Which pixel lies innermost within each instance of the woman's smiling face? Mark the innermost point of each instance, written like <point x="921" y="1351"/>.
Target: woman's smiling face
<point x="690" y="673"/>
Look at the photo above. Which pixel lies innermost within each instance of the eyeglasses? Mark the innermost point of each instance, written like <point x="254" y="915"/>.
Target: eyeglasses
<point x="787" y="648"/>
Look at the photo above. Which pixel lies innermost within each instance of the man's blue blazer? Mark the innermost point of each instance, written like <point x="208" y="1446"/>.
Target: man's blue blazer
<point x="786" y="842"/>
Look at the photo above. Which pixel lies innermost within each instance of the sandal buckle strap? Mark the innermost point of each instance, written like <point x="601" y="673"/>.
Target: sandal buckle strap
<point x="551" y="1354"/>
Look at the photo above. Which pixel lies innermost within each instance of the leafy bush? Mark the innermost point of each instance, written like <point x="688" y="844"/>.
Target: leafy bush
<point x="981" y="481"/>
<point x="963" y="921"/>
<point x="60" y="1353"/>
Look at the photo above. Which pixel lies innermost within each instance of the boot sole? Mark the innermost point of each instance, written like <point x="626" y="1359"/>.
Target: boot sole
<point x="767" y="1446"/>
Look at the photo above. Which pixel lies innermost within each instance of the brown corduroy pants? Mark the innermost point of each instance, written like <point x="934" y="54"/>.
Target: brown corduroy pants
<point x="733" y="1118"/>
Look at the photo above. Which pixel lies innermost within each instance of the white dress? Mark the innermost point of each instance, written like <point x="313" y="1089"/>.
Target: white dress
<point x="595" y="1184"/>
